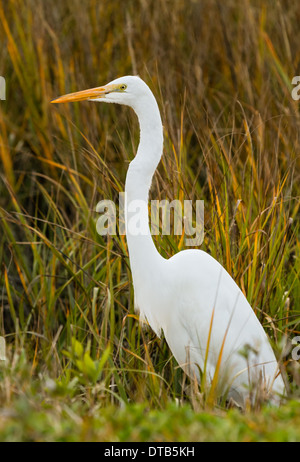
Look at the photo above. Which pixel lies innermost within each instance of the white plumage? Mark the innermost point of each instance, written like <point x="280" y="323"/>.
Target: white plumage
<point x="205" y="317"/>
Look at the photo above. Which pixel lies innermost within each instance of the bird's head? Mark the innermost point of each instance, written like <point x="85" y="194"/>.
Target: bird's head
<point x="124" y="90"/>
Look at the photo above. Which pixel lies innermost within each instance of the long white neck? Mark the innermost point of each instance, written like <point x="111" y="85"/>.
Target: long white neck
<point x="142" y="251"/>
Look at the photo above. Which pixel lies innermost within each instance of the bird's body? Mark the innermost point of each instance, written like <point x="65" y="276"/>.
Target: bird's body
<point x="206" y="319"/>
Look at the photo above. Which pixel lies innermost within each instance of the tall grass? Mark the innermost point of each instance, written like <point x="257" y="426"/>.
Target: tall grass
<point x="221" y="73"/>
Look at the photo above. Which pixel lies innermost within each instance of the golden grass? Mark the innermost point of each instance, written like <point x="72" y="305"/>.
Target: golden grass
<point x="222" y="74"/>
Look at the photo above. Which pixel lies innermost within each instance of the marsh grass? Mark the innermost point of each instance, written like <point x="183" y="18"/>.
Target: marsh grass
<point x="221" y="74"/>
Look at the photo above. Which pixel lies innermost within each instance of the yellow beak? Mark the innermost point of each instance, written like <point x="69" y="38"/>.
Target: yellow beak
<point x="83" y="95"/>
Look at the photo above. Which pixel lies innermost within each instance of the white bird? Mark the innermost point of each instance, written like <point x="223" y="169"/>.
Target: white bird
<point x="206" y="319"/>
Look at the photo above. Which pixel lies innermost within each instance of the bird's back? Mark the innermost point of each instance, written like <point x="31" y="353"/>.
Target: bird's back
<point x="211" y="323"/>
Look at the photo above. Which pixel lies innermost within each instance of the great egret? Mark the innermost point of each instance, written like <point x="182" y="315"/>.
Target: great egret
<point x="207" y="321"/>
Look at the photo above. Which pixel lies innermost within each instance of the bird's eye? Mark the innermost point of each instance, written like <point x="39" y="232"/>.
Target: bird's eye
<point x="123" y="86"/>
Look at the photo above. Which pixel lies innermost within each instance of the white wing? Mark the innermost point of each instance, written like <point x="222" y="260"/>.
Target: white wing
<point x="205" y="316"/>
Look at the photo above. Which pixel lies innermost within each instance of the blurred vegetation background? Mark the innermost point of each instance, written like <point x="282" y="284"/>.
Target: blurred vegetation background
<point x="221" y="72"/>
